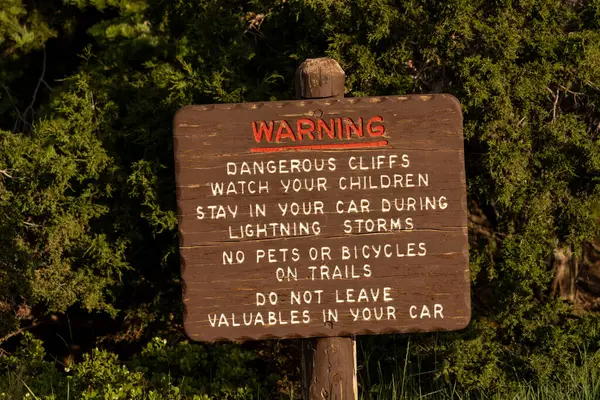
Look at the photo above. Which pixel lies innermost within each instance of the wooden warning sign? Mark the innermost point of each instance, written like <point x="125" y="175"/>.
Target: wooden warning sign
<point x="322" y="217"/>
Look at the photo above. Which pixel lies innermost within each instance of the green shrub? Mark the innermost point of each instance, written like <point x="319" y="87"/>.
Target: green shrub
<point x="179" y="371"/>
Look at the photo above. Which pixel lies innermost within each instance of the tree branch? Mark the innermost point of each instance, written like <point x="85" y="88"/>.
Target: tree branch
<point x="37" y="87"/>
<point x="19" y="115"/>
<point x="556" y="98"/>
<point x="20" y="331"/>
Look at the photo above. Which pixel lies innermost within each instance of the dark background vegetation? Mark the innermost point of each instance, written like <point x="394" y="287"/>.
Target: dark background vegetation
<point x="90" y="295"/>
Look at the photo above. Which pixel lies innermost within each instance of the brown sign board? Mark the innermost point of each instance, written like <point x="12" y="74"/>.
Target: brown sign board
<point x="329" y="217"/>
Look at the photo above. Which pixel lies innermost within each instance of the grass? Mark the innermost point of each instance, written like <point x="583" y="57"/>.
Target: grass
<point x="401" y="380"/>
<point x="386" y="372"/>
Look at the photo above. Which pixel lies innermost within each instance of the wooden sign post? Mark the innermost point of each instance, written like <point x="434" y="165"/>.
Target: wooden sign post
<point x="322" y="218"/>
<point x="329" y="363"/>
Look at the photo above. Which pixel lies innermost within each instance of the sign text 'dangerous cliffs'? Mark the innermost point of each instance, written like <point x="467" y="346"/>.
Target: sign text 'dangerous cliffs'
<point x="322" y="217"/>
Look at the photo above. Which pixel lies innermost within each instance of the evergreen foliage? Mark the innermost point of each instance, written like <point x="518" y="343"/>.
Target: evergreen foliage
<point x="88" y="89"/>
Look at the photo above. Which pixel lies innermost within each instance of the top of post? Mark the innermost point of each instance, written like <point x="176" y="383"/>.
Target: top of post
<point x="318" y="78"/>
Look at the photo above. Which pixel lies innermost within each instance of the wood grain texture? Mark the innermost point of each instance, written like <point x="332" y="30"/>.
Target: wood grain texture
<point x="329" y="369"/>
<point x="319" y="78"/>
<point x="329" y="364"/>
<point x="356" y="238"/>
